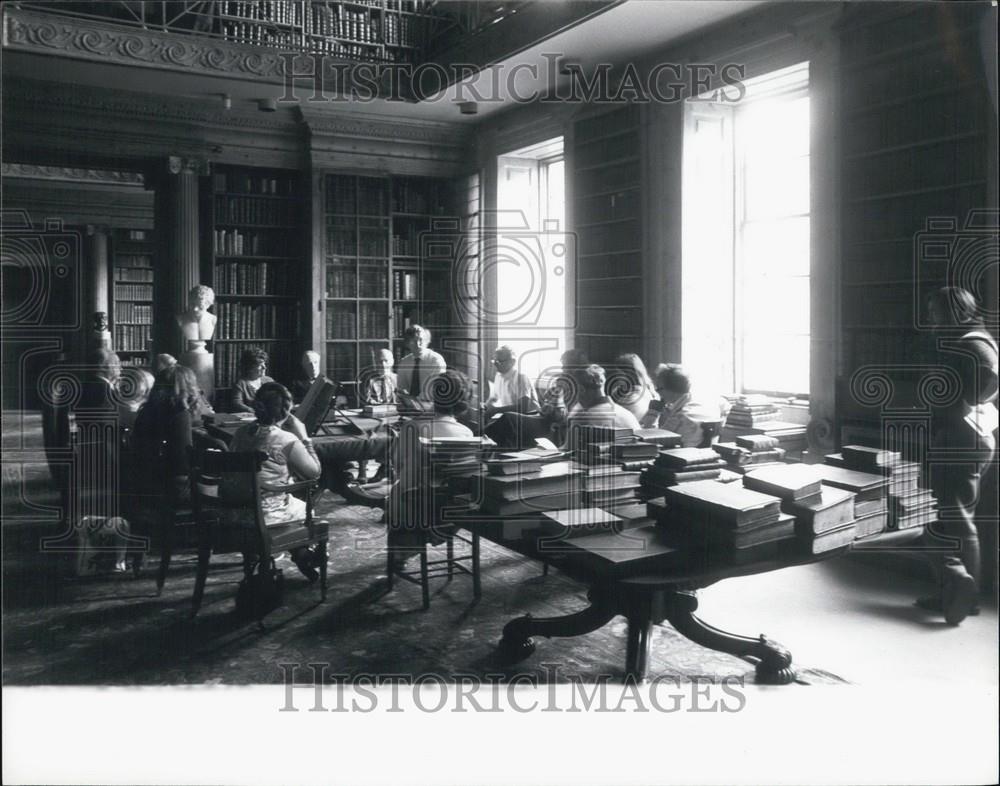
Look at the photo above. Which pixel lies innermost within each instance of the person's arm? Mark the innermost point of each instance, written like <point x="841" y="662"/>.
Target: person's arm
<point x="440" y="366"/>
<point x="178" y="441"/>
<point x="241" y="397"/>
<point x="979" y="384"/>
<point x="302" y="459"/>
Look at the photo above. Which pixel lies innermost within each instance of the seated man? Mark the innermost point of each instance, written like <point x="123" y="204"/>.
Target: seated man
<point x="380" y="388"/>
<point x="512" y="390"/>
<point x="682" y="412"/>
<point x="421" y="365"/>
<point x="594" y="408"/>
<point x="309" y="373"/>
<point x="410" y="509"/>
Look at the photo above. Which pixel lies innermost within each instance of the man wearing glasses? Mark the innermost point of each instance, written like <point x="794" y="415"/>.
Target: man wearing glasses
<point x="511" y="391"/>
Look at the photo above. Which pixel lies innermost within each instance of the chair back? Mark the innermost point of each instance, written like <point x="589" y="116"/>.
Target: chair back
<point x="225" y="493"/>
<point x="710" y="431"/>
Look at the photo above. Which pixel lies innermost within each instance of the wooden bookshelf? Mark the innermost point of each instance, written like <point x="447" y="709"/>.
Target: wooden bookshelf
<point x="607" y="209"/>
<point x="257" y="272"/>
<point x="133" y="283"/>
<point x="383" y="272"/>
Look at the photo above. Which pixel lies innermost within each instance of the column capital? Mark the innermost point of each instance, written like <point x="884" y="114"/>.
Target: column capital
<point x="177" y="165"/>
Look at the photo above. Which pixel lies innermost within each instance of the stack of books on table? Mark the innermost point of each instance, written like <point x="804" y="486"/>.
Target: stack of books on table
<point x="556" y="485"/>
<point x="750" y="451"/>
<point x="871" y="511"/>
<point x="680" y="465"/>
<point x="791" y="436"/>
<point x="752" y="410"/>
<point x="379" y="410"/>
<point x="455" y="457"/>
<point x="824" y="515"/>
<point x="608" y="485"/>
<point x="737" y="523"/>
<point x="908" y="504"/>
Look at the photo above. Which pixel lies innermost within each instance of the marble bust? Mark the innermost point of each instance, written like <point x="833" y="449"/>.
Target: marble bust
<point x="197" y="324"/>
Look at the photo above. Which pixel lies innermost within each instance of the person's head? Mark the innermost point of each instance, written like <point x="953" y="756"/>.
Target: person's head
<point x="504" y="358"/>
<point x="953" y="307"/>
<point x="630" y="372"/>
<point x="385" y="360"/>
<point x="672" y="382"/>
<point x="573" y="359"/>
<point x="106" y="364"/>
<point x="200" y="298"/>
<point x="416" y="338"/>
<point x="163" y="361"/>
<point x="134" y="386"/>
<point x="450" y="392"/>
<point x="253" y="363"/>
<point x="310" y="364"/>
<point x="589" y="382"/>
<point x="272" y="404"/>
<point x="177" y="388"/>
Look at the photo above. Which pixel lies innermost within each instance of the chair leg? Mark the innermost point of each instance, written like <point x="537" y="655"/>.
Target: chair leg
<point x="451" y="558"/>
<point x="389" y="572"/>
<point x="166" y="549"/>
<point x="321" y="552"/>
<point x="204" y="555"/>
<point x="425" y="582"/>
<point x="477" y="587"/>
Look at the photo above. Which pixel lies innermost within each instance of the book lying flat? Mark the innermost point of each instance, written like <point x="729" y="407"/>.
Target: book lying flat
<point x="830" y="509"/>
<point x="754" y="442"/>
<point x="732" y="453"/>
<point x="576" y="522"/>
<point x="862" y="455"/>
<point x="871" y="524"/>
<point x="659" y="436"/>
<point x="788" y="481"/>
<point x="912" y="500"/>
<point x="658" y="476"/>
<point x="686" y="458"/>
<point x="555" y="478"/>
<point x="618" y="480"/>
<point x="632" y="514"/>
<point x="507" y="467"/>
<point x="516" y="507"/>
<point x="864" y="485"/>
<point x="831" y="539"/>
<point x="602" y="499"/>
<point x="919" y="517"/>
<point x="869" y="507"/>
<point x="732" y="505"/>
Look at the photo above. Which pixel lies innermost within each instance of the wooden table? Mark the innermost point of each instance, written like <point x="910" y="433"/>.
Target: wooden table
<point x="635" y="574"/>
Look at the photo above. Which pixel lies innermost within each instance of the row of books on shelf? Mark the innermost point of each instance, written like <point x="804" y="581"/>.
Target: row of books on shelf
<point x="254" y="278"/>
<point x="133" y="260"/>
<point x="134" y="274"/>
<point x="133" y="338"/>
<point x="405" y="285"/>
<point x="133" y="312"/>
<point x="227" y="360"/>
<point x="250" y="210"/>
<point x="415" y="196"/>
<point x="260" y="320"/>
<point x="245" y="183"/>
<point x="370" y="243"/>
<point x="133" y="291"/>
<point x="137" y="235"/>
<point x="369" y="322"/>
<point x="238" y="243"/>
<point x="349" y="195"/>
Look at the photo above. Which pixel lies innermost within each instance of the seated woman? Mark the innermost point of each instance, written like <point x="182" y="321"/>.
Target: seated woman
<point x="630" y="385"/>
<point x="253" y="364"/>
<point x="283" y="439"/>
<point x="683" y="412"/>
<point x="411" y="509"/>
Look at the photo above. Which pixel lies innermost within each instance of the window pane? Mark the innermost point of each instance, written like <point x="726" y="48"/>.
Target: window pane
<point x="776" y="363"/>
<point x="776" y="304"/>
<point x="777" y="247"/>
<point x="776" y="186"/>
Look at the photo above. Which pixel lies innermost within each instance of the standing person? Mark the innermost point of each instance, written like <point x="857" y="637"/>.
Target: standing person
<point x="964" y="427"/>
<point x="380" y="387"/>
<point x="289" y="452"/>
<point x="253" y="364"/>
<point x="631" y="386"/>
<point x="308" y="373"/>
<point x="682" y="411"/>
<point x="421" y="365"/>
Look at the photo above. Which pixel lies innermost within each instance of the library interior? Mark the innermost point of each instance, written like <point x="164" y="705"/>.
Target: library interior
<point x="476" y="337"/>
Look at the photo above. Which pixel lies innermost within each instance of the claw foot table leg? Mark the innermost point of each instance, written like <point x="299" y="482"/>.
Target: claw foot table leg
<point x="516" y="643"/>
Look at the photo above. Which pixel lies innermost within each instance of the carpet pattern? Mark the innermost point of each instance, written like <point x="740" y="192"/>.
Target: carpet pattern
<point x="117" y="631"/>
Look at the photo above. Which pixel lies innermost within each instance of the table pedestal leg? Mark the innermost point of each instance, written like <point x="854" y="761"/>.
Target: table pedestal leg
<point x="774" y="666"/>
<point x="516" y="644"/>
<point x="637" y="648"/>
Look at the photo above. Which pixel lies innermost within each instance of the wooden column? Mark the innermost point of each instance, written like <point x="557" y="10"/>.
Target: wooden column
<point x="178" y="267"/>
<point x="96" y="288"/>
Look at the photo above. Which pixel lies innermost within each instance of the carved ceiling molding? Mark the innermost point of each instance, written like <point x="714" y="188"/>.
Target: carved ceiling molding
<point x="93" y="40"/>
<point x="72" y="174"/>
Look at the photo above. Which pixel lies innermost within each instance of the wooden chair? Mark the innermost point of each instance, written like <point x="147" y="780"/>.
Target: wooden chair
<point x="226" y="499"/>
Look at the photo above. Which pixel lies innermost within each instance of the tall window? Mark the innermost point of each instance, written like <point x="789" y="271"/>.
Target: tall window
<point x="531" y="284"/>
<point x="745" y="273"/>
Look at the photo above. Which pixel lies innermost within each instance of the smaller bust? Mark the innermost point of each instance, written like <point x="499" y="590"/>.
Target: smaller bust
<point x="197" y="324"/>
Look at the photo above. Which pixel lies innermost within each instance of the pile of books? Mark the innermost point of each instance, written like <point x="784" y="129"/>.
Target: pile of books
<point x="609" y="445"/>
<point x="523" y="484"/>
<point x="737" y="523"/>
<point x="824" y="515"/>
<point x="455" y="457"/>
<point x="791" y="436"/>
<point x="379" y="410"/>
<point x="607" y="484"/>
<point x="750" y="451"/>
<point x="908" y="505"/>
<point x="751" y="410"/>
<point x="871" y="512"/>
<point x="680" y="465"/>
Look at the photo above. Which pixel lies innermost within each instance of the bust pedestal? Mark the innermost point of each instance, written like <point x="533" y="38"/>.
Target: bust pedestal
<point x="202" y="363"/>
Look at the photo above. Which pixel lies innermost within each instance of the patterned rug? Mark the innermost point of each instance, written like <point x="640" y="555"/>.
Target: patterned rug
<point x="117" y="631"/>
